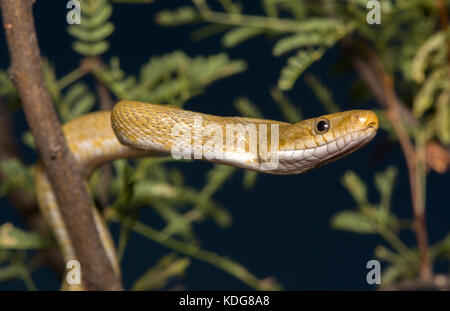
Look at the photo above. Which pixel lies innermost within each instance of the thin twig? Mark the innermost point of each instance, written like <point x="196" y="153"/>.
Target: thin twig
<point x="382" y="86"/>
<point x="271" y="23"/>
<point x="438" y="282"/>
<point x="194" y="251"/>
<point x="61" y="167"/>
<point x="72" y="76"/>
<point x="443" y="19"/>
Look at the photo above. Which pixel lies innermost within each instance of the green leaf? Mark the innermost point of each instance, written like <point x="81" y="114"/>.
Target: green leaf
<point x="15" y="238"/>
<point x="92" y="35"/>
<point x="384" y="183"/>
<point x="270" y="8"/>
<point x="90" y="49"/>
<point x="181" y="16"/>
<point x="5" y="255"/>
<point x="7" y="89"/>
<point x="296" y="65"/>
<point x="385" y="254"/>
<point x="16" y="176"/>
<point x="247" y="108"/>
<point x="77" y="101"/>
<point x="94" y="29"/>
<point x="238" y="35"/>
<point x="391" y="274"/>
<point x="322" y="93"/>
<point x="442" y="117"/>
<point x="175" y="77"/>
<point x="10" y="272"/>
<point x="424" y="54"/>
<point x="298" y="8"/>
<point x="290" y="111"/>
<point x="309" y="39"/>
<point x="441" y="249"/>
<point x="296" y="41"/>
<point x="158" y="276"/>
<point x="28" y="139"/>
<point x="48" y="70"/>
<point x="320" y="24"/>
<point x="124" y="204"/>
<point x="249" y="179"/>
<point x="230" y="7"/>
<point x="356" y="187"/>
<point x="177" y="223"/>
<point x="115" y="79"/>
<point x="354" y="222"/>
<point x="97" y="17"/>
<point x="215" y="178"/>
<point x="425" y="97"/>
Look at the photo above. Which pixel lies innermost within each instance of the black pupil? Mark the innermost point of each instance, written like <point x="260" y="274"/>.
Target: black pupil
<point x="322" y="126"/>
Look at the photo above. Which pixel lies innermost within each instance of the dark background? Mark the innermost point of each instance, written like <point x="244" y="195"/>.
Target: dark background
<point x="281" y="227"/>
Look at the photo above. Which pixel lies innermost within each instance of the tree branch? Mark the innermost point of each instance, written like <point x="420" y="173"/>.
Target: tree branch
<point x="61" y="167"/>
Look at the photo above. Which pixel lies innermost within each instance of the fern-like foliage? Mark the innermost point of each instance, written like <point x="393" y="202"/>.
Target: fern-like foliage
<point x="411" y="44"/>
<point x="377" y="218"/>
<point x="430" y="73"/>
<point x="158" y="276"/>
<point x="94" y="28"/>
<point x="172" y="78"/>
<point x="296" y="65"/>
<point x="236" y="36"/>
<point x="425" y="55"/>
<point x="180" y="16"/>
<point x="247" y="108"/>
<point x="309" y="39"/>
<point x="319" y="32"/>
<point x="16" y="176"/>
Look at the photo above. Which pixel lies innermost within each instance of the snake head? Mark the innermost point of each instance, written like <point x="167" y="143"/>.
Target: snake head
<point x="314" y="142"/>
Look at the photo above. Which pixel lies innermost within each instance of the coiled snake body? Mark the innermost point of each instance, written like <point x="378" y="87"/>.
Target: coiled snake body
<point x="135" y="129"/>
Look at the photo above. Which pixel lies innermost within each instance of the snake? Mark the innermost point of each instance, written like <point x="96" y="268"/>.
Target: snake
<point x="137" y="129"/>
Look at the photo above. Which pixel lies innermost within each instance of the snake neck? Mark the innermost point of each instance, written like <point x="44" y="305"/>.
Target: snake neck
<point x="265" y="146"/>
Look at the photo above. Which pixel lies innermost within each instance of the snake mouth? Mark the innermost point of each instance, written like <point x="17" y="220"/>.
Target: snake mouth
<point x="297" y="161"/>
<point x="373" y="125"/>
<point x="363" y="138"/>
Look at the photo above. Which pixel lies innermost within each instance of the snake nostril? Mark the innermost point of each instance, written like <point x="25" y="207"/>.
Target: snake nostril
<point x="373" y="124"/>
<point x="373" y="121"/>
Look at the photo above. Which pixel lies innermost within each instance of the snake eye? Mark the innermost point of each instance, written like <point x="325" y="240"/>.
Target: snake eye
<point x="322" y="125"/>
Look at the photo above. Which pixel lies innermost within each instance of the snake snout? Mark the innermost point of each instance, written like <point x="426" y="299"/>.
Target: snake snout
<point x="365" y="119"/>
